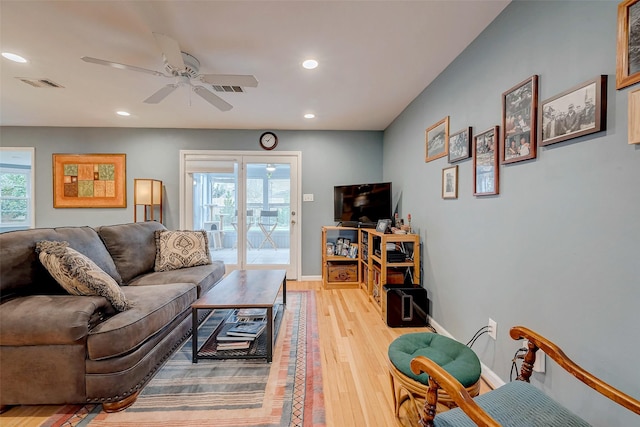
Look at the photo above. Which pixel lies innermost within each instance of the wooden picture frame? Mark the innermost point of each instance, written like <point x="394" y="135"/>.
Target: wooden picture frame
<point x="460" y="145"/>
<point x="437" y="140"/>
<point x="450" y="182"/>
<point x="485" y="163"/>
<point x="519" y="119"/>
<point x="634" y="111"/>
<point x="628" y="44"/>
<point x="581" y="110"/>
<point x="89" y="181"/>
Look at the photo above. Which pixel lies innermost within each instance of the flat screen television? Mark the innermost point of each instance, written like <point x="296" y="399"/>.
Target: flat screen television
<point x="362" y="204"/>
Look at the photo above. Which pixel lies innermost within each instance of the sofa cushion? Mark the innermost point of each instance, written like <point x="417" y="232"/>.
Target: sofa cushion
<point x="22" y="273"/>
<point x="132" y="247"/>
<point x="204" y="276"/>
<point x="154" y="307"/>
<point x="77" y="274"/>
<point x="181" y="249"/>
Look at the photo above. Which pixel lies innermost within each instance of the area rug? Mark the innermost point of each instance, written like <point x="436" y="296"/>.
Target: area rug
<point x="228" y="393"/>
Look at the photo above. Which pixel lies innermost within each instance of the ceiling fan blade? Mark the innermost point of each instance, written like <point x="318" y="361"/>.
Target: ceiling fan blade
<point x="122" y="66"/>
<point x="212" y="98"/>
<point x="161" y="94"/>
<point x="229" y="80"/>
<point x="171" y="50"/>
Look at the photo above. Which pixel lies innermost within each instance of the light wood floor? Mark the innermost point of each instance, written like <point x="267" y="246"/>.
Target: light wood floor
<point x="353" y="342"/>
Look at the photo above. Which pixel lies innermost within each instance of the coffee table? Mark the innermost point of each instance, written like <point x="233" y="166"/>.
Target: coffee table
<point x="243" y="289"/>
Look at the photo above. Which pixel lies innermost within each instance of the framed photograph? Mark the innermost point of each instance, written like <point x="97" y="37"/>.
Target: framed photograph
<point x="519" y="118"/>
<point x="89" y="181"/>
<point x="628" y="44"/>
<point x="450" y="182"/>
<point x="383" y="225"/>
<point x="579" y="111"/>
<point x="485" y="163"/>
<point x="460" y="145"/>
<point x="437" y="140"/>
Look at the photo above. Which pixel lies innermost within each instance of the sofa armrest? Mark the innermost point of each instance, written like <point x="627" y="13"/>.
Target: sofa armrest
<point x="439" y="378"/>
<point x="50" y="319"/>
<point x="537" y="341"/>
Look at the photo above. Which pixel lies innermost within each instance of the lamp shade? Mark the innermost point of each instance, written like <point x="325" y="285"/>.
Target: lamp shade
<point x="147" y="192"/>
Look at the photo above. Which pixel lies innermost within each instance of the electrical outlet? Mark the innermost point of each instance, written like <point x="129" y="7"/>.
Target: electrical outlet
<point x="493" y="328"/>
<point x="307" y="197"/>
<point x="541" y="357"/>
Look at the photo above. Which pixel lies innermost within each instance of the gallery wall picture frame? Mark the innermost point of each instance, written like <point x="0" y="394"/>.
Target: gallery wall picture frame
<point x="450" y="182"/>
<point x="437" y="140"/>
<point x="89" y="181"/>
<point x="628" y="44"/>
<point x="578" y="111"/>
<point x="460" y="145"/>
<point x="519" y="119"/>
<point x="485" y="162"/>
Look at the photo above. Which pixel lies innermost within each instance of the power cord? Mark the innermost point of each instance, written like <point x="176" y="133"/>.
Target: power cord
<point x="519" y="354"/>
<point x="479" y="332"/>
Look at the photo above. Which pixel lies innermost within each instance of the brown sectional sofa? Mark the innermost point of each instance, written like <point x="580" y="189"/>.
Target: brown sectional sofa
<point x="57" y="348"/>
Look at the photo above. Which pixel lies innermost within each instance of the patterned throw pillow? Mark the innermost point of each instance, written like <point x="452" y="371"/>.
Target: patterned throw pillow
<point x="181" y="249"/>
<point x="78" y="275"/>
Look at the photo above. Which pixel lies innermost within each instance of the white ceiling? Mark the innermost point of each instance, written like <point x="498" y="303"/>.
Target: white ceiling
<point x="375" y="58"/>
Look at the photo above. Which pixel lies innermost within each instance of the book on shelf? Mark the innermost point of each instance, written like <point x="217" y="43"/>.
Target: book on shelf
<point x="247" y="329"/>
<point x="233" y="345"/>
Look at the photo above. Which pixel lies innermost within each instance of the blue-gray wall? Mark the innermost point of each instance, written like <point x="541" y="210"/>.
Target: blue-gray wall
<point x="559" y="249"/>
<point x="328" y="158"/>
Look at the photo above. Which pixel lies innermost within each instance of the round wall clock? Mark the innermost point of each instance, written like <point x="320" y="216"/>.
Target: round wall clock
<point x="268" y="140"/>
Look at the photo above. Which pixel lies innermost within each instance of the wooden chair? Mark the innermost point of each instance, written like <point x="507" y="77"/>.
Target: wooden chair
<point x="506" y="405"/>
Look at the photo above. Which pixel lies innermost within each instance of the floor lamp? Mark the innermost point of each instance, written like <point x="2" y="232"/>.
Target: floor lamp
<point x="148" y="193"/>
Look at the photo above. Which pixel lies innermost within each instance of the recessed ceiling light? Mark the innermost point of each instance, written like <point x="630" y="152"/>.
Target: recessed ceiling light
<point x="309" y="116"/>
<point x="310" y="64"/>
<point x="13" y="57"/>
<point x="123" y="113"/>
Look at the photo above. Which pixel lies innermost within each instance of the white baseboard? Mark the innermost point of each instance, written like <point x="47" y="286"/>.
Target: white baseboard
<point x="311" y="278"/>
<point x="491" y="377"/>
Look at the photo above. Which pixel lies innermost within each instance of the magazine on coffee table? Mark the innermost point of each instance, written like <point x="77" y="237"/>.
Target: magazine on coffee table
<point x="247" y="329"/>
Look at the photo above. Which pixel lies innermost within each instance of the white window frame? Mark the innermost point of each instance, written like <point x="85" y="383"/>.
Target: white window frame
<point x="5" y="167"/>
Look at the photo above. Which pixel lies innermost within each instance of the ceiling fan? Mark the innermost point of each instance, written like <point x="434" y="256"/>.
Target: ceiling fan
<point x="184" y="69"/>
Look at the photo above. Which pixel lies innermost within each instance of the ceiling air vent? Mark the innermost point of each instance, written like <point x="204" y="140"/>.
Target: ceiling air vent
<point x="219" y="88"/>
<point x="39" y="82"/>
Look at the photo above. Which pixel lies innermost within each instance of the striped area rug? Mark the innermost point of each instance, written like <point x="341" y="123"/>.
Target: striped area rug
<point x="229" y="393"/>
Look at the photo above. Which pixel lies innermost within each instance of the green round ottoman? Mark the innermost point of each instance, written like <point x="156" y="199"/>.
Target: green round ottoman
<point x="456" y="358"/>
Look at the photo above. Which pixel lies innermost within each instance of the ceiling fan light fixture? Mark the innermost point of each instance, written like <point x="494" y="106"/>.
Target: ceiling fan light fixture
<point x="310" y="64"/>
<point x="14" y="57"/>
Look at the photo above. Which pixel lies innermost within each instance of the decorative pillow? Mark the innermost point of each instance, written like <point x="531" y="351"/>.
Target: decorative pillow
<point x="181" y="249"/>
<point x="78" y="275"/>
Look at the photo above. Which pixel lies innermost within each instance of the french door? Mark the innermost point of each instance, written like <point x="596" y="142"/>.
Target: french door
<point x="248" y="202"/>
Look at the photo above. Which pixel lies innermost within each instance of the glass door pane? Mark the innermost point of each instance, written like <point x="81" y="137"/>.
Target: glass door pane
<point x="215" y="209"/>
<point x="268" y="201"/>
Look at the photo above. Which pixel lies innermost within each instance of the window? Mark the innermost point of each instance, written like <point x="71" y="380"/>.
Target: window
<point x="16" y="210"/>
